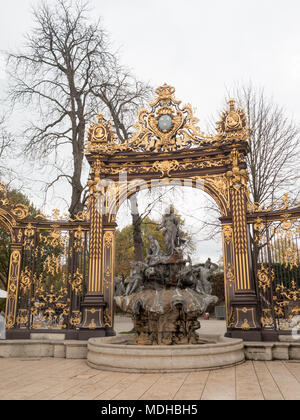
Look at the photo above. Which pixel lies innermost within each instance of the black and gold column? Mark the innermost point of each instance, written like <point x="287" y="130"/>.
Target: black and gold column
<point x="93" y="305"/>
<point x="243" y="320"/>
<point x="97" y="317"/>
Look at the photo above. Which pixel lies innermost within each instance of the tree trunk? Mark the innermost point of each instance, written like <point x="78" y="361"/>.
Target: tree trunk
<point x="137" y="231"/>
<point x="76" y="202"/>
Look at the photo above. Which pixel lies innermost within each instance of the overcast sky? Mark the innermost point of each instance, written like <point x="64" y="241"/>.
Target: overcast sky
<point x="200" y="47"/>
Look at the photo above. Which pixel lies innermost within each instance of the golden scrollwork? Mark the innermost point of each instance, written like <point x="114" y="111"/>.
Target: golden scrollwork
<point x="165" y="166"/>
<point x="284" y="203"/>
<point x="19" y="236"/>
<point x="162" y="166"/>
<point x="229" y="275"/>
<point x="220" y="187"/>
<point x="259" y="224"/>
<point x="267" y="318"/>
<point x="236" y="176"/>
<point x="265" y="277"/>
<point x="80" y="216"/>
<point x="108" y="239"/>
<point x="286" y="303"/>
<point x="29" y="236"/>
<point x="227" y="232"/>
<point x="13" y="285"/>
<point x="166" y="127"/>
<point x="52" y="265"/>
<point x="75" y="318"/>
<point x="79" y="239"/>
<point x="108" y="317"/>
<point x="76" y="281"/>
<point x="9" y="321"/>
<point x="290" y="256"/>
<point x="52" y="305"/>
<point x="20" y="211"/>
<point x="26" y="279"/>
<point x="22" y="317"/>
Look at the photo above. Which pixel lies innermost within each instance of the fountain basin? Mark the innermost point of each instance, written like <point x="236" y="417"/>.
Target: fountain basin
<point x="118" y="354"/>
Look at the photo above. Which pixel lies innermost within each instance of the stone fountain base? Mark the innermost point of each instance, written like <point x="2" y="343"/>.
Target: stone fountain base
<point x="118" y="354"/>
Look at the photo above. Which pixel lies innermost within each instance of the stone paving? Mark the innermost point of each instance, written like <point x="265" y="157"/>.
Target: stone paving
<point x="67" y="379"/>
<point x="61" y="379"/>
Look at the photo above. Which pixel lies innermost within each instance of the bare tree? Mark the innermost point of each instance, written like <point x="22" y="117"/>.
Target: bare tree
<point x="272" y="160"/>
<point x="6" y="143"/>
<point x="122" y="98"/>
<point x="65" y="61"/>
<point x="274" y="145"/>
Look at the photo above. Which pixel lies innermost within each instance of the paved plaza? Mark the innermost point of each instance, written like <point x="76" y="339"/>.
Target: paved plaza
<point x="63" y="379"/>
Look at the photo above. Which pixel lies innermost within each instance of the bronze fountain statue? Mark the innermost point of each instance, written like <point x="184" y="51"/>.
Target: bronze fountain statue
<point x="166" y="294"/>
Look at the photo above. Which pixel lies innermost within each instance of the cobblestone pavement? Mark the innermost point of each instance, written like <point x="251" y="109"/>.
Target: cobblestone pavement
<point x="63" y="379"/>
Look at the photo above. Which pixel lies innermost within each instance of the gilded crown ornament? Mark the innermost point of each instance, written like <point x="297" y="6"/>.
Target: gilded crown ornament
<point x="165" y="94"/>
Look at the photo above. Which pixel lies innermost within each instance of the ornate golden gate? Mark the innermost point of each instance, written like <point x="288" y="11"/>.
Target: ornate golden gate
<point x="275" y="237"/>
<point x="47" y="271"/>
<point x="166" y="148"/>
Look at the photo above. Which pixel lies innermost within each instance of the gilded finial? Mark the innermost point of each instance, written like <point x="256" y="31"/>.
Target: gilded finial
<point x="231" y="104"/>
<point x="100" y="118"/>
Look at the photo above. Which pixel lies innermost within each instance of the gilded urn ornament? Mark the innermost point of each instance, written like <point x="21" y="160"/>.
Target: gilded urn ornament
<point x="100" y="135"/>
<point x="233" y="124"/>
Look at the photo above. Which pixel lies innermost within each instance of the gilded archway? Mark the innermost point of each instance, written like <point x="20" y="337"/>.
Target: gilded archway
<point x="167" y="146"/>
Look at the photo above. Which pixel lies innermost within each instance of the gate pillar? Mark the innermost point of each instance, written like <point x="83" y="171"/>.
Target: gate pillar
<point x="242" y="315"/>
<point x="97" y="312"/>
<point x="93" y="305"/>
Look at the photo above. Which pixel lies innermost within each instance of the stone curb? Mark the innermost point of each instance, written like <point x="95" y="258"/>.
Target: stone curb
<point x="75" y="349"/>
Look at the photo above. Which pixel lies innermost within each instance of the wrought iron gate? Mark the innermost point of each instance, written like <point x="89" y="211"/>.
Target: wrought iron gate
<point x="275" y="240"/>
<point x="53" y="277"/>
